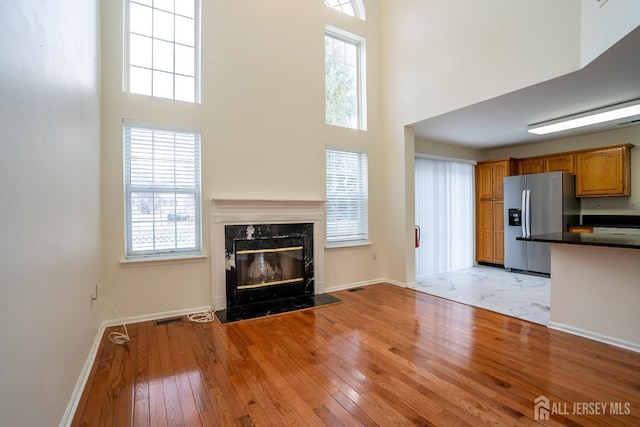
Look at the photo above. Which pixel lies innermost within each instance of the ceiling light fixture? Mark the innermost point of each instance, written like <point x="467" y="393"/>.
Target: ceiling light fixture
<point x="601" y="115"/>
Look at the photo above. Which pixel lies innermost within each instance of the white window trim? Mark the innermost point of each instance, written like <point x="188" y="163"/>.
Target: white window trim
<point x="197" y="52"/>
<point x="160" y="257"/>
<point x="361" y="44"/>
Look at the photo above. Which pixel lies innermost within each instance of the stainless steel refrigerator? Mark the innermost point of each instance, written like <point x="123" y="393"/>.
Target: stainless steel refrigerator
<point x="538" y="203"/>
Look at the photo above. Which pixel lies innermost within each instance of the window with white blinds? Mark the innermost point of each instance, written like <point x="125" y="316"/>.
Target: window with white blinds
<point x="162" y="191"/>
<point x="347" y="197"/>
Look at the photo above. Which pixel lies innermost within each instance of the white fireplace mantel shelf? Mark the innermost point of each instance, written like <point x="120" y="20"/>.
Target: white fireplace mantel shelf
<point x="242" y="211"/>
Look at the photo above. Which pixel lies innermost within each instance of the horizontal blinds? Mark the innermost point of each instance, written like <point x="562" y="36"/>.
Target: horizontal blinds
<point x="162" y="191"/>
<point x="347" y="196"/>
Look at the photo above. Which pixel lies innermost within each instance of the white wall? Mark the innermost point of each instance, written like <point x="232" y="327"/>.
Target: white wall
<point x="263" y="135"/>
<point x="605" y="25"/>
<point x="442" y="55"/>
<point x="49" y="214"/>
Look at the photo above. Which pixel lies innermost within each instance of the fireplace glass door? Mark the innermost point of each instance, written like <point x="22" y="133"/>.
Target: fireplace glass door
<point x="270" y="265"/>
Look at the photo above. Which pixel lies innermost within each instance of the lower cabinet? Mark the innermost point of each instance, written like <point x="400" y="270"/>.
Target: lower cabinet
<point x="490" y="236"/>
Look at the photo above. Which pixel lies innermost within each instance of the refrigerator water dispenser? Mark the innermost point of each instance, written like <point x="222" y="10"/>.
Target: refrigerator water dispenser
<point x="515" y="217"/>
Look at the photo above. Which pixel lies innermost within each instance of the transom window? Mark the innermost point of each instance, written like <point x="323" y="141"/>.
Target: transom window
<point x="350" y="7"/>
<point x="162" y="48"/>
<point x="162" y="191"/>
<point x="344" y="79"/>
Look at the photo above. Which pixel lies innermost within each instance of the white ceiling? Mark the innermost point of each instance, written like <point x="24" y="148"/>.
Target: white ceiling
<point x="612" y="78"/>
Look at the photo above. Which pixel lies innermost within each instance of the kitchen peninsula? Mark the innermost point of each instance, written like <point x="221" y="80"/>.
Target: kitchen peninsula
<point x="595" y="286"/>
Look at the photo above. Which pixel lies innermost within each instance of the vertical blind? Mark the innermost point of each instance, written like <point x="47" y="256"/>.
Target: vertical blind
<point x="162" y="191"/>
<point x="444" y="213"/>
<point x="347" y="196"/>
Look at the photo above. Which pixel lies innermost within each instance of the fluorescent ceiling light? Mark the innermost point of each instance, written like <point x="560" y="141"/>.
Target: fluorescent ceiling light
<point x="606" y="114"/>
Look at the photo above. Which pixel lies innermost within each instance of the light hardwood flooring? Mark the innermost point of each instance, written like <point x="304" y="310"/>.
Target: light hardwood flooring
<point x="384" y="356"/>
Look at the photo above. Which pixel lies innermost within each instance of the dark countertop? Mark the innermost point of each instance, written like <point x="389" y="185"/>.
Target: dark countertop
<point x="630" y="241"/>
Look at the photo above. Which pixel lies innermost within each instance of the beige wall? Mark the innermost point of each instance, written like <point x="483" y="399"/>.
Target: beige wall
<point x="591" y="205"/>
<point x="595" y="293"/>
<point x="442" y="55"/>
<point x="50" y="212"/>
<point x="263" y="136"/>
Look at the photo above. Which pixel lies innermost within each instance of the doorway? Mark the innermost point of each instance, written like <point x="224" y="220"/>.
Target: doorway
<point x="444" y="203"/>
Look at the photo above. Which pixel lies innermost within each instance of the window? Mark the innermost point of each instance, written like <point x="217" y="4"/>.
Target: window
<point x="350" y="7"/>
<point x="344" y="79"/>
<point x="347" y="197"/>
<point x="162" y="48"/>
<point x="162" y="191"/>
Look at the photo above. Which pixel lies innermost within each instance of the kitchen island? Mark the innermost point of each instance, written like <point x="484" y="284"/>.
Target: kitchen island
<point x="595" y="286"/>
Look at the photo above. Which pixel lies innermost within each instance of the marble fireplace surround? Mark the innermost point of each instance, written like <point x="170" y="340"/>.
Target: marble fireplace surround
<point x="251" y="212"/>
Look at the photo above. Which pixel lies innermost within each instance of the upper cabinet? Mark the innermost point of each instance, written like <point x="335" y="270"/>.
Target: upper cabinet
<point x="530" y="165"/>
<point x="604" y="172"/>
<point x="490" y="176"/>
<point x="560" y="163"/>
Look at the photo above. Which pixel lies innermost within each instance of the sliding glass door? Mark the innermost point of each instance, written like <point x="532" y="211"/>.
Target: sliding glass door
<point x="444" y="215"/>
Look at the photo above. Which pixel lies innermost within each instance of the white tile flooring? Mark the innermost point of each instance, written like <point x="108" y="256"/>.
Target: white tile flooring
<point x="518" y="295"/>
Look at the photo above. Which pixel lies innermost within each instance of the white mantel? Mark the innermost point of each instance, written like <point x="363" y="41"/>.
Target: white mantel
<point x="250" y="212"/>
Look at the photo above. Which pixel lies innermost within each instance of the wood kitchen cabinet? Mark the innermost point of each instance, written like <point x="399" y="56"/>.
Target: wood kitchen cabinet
<point x="530" y="165"/>
<point x="563" y="162"/>
<point x="604" y="172"/>
<point x="559" y="163"/>
<point x="490" y="208"/>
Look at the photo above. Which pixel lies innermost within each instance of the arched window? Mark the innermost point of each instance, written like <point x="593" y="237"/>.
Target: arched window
<point x="350" y="7"/>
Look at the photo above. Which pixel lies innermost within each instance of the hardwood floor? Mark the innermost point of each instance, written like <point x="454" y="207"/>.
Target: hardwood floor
<point x="385" y="356"/>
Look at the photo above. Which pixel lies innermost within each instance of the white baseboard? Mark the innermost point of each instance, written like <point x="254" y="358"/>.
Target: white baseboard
<point x="595" y="336"/>
<point x="82" y="379"/>
<point x="93" y="352"/>
<point x="365" y="283"/>
<point x="155" y="316"/>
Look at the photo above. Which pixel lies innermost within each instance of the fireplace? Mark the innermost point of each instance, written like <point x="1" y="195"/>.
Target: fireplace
<point x="267" y="256"/>
<point x="266" y="262"/>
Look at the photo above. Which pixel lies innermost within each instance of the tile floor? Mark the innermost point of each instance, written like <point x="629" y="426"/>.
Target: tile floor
<point x="514" y="294"/>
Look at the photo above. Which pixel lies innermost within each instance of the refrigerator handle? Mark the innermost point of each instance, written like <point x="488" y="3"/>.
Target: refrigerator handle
<point x="523" y="213"/>
<point x="528" y="216"/>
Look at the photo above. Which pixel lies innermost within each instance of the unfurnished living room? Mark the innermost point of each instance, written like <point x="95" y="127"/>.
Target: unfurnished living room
<point x="319" y="212"/>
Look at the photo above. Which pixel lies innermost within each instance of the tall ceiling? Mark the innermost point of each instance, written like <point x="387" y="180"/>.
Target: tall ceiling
<point x="612" y="78"/>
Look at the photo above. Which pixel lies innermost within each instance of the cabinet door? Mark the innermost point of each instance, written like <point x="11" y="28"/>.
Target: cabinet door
<point x="601" y="173"/>
<point x="535" y="165"/>
<point x="498" y="232"/>
<point x="500" y="170"/>
<point x="484" y="244"/>
<point x="485" y="180"/>
<point x="562" y="163"/>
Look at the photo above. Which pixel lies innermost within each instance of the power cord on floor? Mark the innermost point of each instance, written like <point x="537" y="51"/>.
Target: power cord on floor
<point x="117" y="337"/>
<point x="202" y="317"/>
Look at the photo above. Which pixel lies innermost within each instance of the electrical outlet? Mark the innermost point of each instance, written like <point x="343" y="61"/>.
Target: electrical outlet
<point x="374" y="256"/>
<point x="94" y="294"/>
<point x="633" y="205"/>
